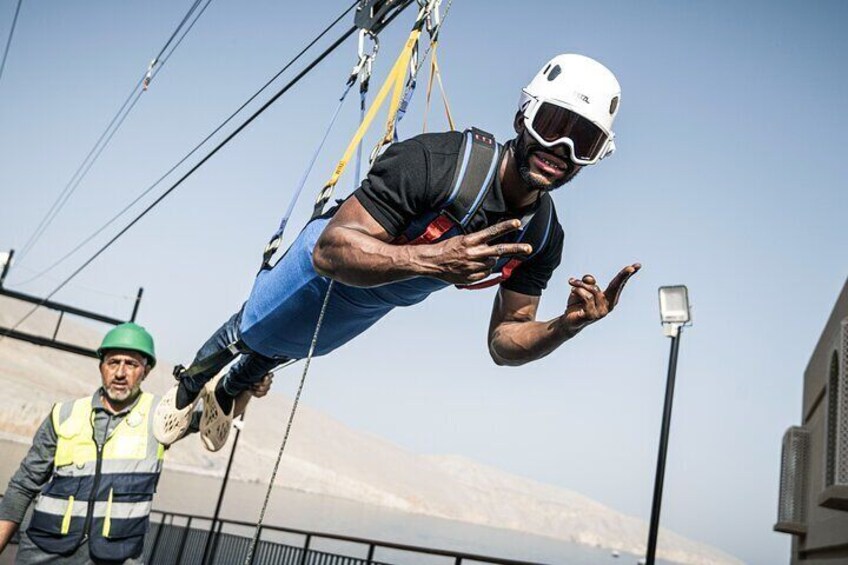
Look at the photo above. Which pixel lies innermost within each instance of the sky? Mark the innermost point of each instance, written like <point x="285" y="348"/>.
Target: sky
<point x="728" y="178"/>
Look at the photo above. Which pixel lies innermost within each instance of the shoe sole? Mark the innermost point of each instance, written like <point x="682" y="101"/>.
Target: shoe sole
<point x="169" y="422"/>
<point x="214" y="423"/>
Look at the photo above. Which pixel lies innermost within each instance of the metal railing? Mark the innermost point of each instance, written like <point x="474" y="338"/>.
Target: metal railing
<point x="181" y="539"/>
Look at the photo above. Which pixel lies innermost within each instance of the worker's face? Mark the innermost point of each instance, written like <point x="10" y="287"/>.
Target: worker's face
<point x="541" y="168"/>
<point x="122" y="373"/>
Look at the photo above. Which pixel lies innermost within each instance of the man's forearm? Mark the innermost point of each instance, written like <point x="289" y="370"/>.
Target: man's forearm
<point x="7" y="530"/>
<point x="519" y="342"/>
<point x="357" y="259"/>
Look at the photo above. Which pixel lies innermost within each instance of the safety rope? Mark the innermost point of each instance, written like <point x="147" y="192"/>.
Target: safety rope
<point x="394" y="83"/>
<point x="249" y="558"/>
<point x="276" y="240"/>
<point x="434" y="25"/>
<point x="362" y="72"/>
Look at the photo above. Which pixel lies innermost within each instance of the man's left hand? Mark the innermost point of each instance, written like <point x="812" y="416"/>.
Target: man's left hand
<point x="260" y="389"/>
<point x="588" y="304"/>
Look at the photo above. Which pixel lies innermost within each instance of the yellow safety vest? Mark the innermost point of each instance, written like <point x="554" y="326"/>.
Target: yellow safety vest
<point x="100" y="493"/>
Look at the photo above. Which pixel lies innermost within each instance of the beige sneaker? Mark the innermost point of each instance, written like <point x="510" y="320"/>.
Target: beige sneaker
<point x="169" y="422"/>
<point x="214" y="423"/>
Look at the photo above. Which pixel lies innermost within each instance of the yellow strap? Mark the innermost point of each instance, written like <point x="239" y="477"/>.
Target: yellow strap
<point x="66" y="520"/>
<point x="395" y="82"/>
<point x="435" y="74"/>
<point x="429" y="86"/>
<point x="399" y="81"/>
<point x="107" y="522"/>
<point x="448" y="114"/>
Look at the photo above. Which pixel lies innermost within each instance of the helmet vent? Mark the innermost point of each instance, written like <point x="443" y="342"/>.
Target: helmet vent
<point x="613" y="105"/>
<point x="554" y="72"/>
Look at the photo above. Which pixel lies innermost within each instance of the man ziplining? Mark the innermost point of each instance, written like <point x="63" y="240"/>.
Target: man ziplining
<point x="421" y="221"/>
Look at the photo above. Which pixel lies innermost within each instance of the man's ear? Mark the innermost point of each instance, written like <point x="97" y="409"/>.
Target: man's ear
<point x="518" y="123"/>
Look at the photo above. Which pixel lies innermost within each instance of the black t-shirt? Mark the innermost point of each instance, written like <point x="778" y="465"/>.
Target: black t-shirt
<point x="413" y="178"/>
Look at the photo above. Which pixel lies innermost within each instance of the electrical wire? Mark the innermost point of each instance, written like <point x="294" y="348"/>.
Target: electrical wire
<point x="111" y="129"/>
<point x="167" y="173"/>
<point x="9" y="41"/>
<point x="208" y="156"/>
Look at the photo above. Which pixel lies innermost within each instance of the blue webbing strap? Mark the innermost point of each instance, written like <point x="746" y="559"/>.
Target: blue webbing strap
<point x="404" y="104"/>
<point x="478" y="167"/>
<point x="277" y="238"/>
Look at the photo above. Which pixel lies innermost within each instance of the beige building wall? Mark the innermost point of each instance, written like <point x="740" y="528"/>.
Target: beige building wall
<point x="819" y="515"/>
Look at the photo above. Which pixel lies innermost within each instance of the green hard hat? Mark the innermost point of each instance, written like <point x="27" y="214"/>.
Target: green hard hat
<point x="129" y="336"/>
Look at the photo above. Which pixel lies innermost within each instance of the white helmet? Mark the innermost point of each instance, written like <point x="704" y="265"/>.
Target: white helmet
<point x="573" y="101"/>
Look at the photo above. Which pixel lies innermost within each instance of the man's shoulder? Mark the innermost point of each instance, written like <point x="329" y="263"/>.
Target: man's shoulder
<point x="445" y="143"/>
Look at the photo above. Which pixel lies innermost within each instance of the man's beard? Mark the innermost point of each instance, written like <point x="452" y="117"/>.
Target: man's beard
<point x="522" y="151"/>
<point x="121" y="396"/>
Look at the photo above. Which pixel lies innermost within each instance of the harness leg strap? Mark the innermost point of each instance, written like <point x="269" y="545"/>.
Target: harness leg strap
<point x="214" y="361"/>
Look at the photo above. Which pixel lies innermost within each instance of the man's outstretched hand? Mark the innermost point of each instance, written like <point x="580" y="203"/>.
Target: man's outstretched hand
<point x="470" y="258"/>
<point x="587" y="303"/>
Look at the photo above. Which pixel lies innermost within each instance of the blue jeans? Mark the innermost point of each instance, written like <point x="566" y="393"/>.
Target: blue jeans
<point x="226" y="345"/>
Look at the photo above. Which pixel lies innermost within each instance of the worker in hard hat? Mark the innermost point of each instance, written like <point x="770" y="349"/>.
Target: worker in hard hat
<point x="94" y="465"/>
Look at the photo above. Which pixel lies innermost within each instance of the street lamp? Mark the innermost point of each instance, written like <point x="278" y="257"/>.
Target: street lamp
<point x="674" y="313"/>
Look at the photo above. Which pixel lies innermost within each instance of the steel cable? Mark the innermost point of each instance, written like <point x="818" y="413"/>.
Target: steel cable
<point x="108" y="133"/>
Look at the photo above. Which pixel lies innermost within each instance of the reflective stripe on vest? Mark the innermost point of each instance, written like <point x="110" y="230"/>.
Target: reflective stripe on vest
<point x="116" y="501"/>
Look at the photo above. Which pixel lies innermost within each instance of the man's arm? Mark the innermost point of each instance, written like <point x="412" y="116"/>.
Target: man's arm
<point x="27" y="481"/>
<point x="354" y="249"/>
<point x="515" y="337"/>
<point x="7" y="530"/>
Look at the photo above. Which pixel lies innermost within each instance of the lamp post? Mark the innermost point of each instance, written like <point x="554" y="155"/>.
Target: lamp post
<point x="674" y="313"/>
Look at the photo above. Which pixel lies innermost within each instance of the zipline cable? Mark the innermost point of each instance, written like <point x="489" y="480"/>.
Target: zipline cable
<point x="9" y="40"/>
<point x="182" y="23"/>
<point x="209" y="155"/>
<point x="110" y="130"/>
<point x="167" y="173"/>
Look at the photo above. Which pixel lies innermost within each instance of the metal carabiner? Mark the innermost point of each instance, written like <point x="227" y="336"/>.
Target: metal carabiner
<point x="434" y="18"/>
<point x="364" y="64"/>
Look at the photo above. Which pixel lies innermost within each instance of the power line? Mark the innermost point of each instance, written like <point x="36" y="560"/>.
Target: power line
<point x="167" y="173"/>
<point x="182" y="23"/>
<point x="9" y="41"/>
<point x="111" y="129"/>
<point x="208" y="156"/>
<point x="401" y="6"/>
